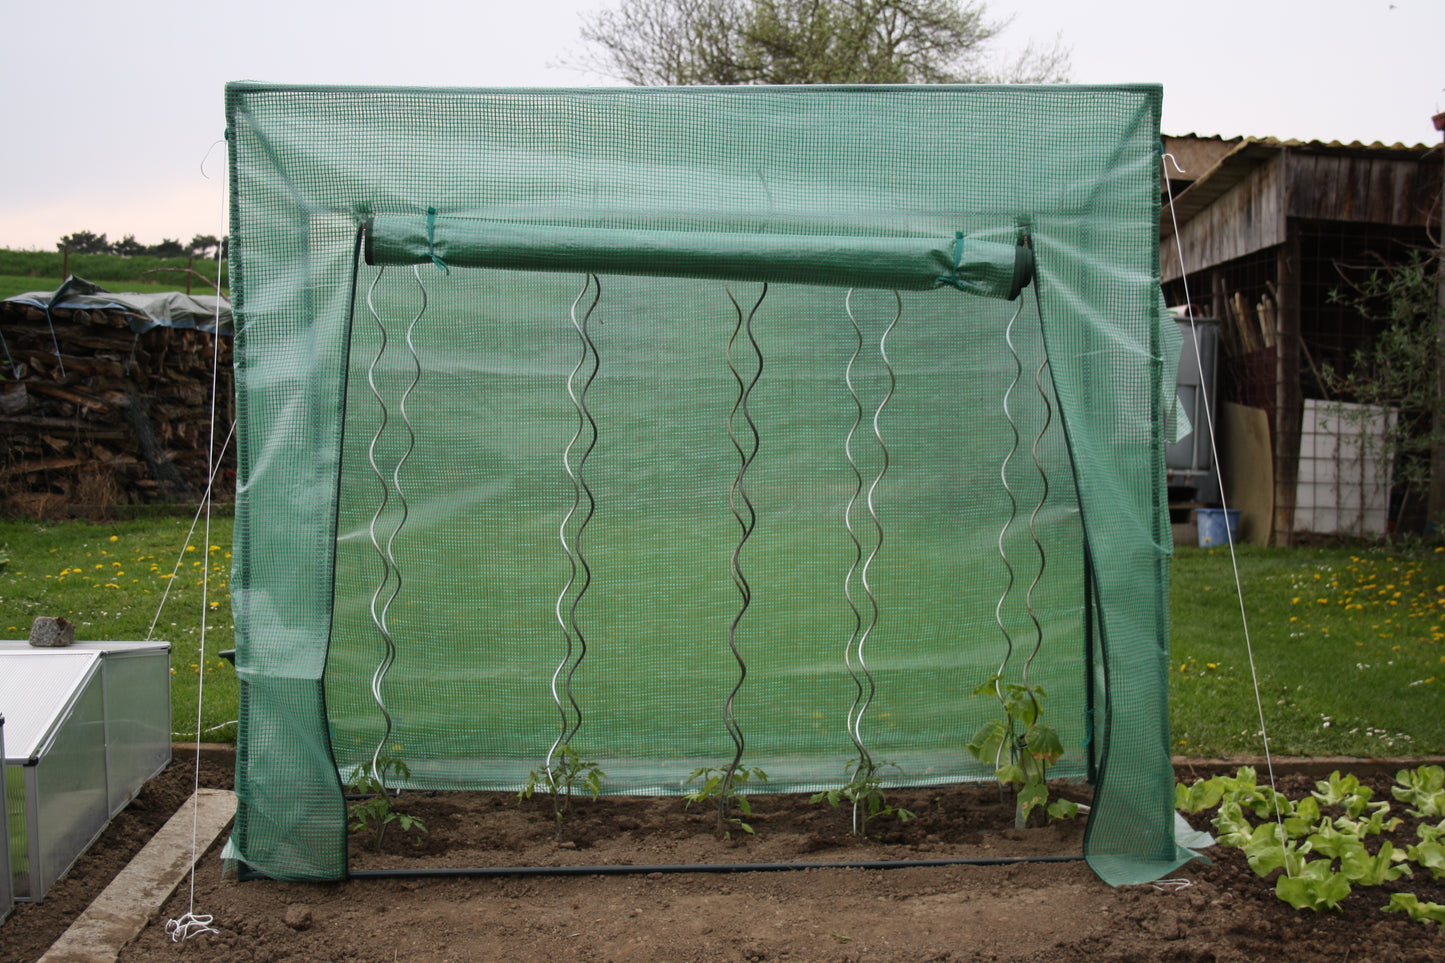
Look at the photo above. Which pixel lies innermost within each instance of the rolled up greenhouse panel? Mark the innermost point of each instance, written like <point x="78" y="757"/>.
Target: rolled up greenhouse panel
<point x="973" y="264"/>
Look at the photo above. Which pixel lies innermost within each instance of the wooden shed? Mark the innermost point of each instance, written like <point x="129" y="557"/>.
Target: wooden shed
<point x="1268" y="229"/>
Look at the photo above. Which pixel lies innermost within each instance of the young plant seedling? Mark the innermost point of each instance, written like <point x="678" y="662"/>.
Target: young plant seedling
<point x="864" y="790"/>
<point x="1314" y="887"/>
<point x="1291" y="833"/>
<point x="716" y="786"/>
<point x="1340" y="790"/>
<point x="1410" y="903"/>
<point x="373" y="813"/>
<point x="1367" y="869"/>
<point x="569" y="771"/>
<point x="1021" y="748"/>
<point x="1430" y="852"/>
<point x="1423" y="789"/>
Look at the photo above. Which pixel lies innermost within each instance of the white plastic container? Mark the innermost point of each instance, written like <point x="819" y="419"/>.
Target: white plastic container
<point x="7" y="896"/>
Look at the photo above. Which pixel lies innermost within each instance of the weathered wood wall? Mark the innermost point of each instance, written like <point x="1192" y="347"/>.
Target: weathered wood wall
<point x="1247" y="217"/>
<point x="1367" y="189"/>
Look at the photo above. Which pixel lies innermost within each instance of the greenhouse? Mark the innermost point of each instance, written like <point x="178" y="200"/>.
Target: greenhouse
<point x="687" y="428"/>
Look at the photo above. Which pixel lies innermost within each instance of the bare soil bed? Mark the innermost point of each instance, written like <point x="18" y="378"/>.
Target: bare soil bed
<point x="1057" y="911"/>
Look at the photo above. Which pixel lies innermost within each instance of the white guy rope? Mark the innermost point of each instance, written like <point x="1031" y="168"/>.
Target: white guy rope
<point x="189" y="925"/>
<point x="205" y="498"/>
<point x="1166" y="160"/>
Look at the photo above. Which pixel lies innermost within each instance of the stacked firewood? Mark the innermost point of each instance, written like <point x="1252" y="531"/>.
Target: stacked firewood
<point x="116" y="418"/>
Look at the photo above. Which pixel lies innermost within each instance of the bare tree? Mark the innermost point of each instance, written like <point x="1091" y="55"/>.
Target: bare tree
<point x="654" y="42"/>
<point x="650" y="42"/>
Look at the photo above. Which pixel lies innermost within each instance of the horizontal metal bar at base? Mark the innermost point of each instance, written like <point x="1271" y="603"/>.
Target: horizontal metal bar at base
<point x="629" y="870"/>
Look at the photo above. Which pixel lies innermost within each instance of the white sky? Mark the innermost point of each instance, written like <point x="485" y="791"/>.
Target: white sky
<point x="108" y="109"/>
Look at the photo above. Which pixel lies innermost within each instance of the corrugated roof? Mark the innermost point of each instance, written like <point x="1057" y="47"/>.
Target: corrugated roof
<point x="1314" y="144"/>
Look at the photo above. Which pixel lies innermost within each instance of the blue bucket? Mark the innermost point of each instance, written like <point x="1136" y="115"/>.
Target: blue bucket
<point x="1212" y="522"/>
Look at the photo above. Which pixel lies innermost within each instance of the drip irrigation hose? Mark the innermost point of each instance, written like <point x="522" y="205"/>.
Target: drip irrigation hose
<point x="675" y="868"/>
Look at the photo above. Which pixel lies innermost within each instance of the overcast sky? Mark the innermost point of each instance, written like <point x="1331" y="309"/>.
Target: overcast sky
<point x="109" y="109"/>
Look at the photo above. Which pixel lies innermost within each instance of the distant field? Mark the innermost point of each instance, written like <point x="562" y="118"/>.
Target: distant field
<point x="10" y="285"/>
<point x="22" y="271"/>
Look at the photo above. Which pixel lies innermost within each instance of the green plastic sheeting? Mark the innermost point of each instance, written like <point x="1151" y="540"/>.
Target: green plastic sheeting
<point x="977" y="266"/>
<point x="529" y="382"/>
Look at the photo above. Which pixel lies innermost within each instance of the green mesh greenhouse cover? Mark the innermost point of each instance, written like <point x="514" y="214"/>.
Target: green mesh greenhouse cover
<point x="667" y="423"/>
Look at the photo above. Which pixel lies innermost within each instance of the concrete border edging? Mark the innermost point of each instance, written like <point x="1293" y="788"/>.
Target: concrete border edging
<point x="123" y="908"/>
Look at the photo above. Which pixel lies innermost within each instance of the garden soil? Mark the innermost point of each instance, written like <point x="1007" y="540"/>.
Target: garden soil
<point x="1056" y="911"/>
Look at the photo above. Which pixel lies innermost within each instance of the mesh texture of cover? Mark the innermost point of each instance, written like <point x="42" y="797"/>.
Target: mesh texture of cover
<point x="409" y="271"/>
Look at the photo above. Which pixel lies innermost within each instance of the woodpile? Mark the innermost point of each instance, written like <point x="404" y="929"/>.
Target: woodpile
<point x="119" y="418"/>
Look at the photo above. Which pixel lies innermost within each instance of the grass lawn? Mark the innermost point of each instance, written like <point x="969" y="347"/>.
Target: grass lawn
<point x="1347" y="641"/>
<point x="11" y="285"/>
<point x="22" y="271"/>
<point x="109" y="578"/>
<point x="1347" y="644"/>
